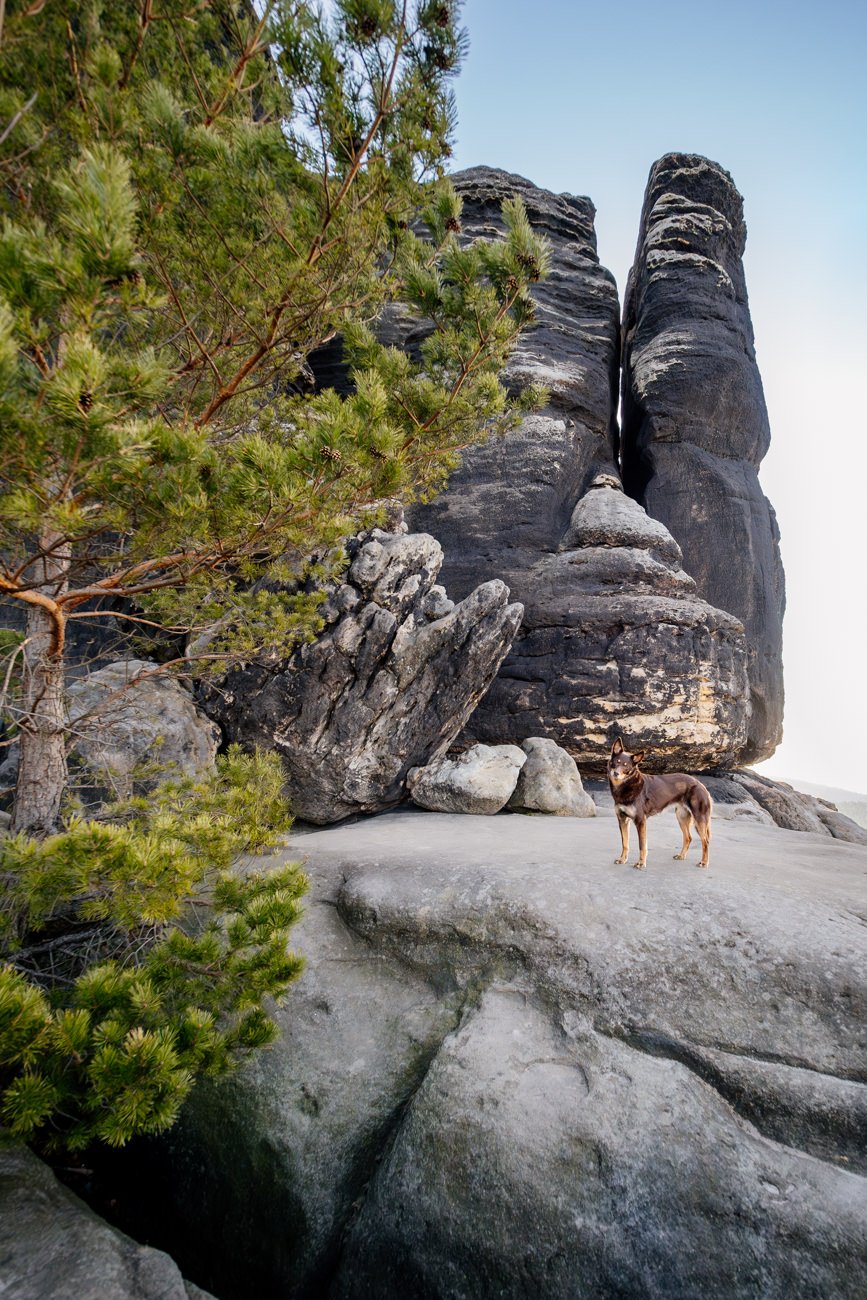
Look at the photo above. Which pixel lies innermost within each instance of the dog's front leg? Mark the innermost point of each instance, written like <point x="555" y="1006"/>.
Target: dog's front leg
<point x="623" y="822"/>
<point x="641" y="824"/>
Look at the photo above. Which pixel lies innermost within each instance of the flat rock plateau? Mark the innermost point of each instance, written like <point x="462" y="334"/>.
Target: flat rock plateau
<point x="515" y="1069"/>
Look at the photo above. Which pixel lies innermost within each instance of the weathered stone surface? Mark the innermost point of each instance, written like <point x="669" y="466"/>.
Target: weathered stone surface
<point x="52" y="1247"/>
<point x="514" y="1069"/>
<point x="695" y="425"/>
<point x="569" y="1097"/>
<point x="261" y="1209"/>
<point x="732" y="801"/>
<point x="121" y="726"/>
<point x="385" y="687"/>
<point x="480" y="780"/>
<point x="608" y="518"/>
<point x="510" y="503"/>
<point x="550" y="782"/>
<point x="616" y="640"/>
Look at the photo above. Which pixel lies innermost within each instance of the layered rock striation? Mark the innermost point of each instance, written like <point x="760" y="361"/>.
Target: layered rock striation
<point x="617" y="640"/>
<point x="695" y="424"/>
<point x="386" y="686"/>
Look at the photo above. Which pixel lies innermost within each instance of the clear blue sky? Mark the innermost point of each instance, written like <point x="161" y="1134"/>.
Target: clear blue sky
<point x="584" y="98"/>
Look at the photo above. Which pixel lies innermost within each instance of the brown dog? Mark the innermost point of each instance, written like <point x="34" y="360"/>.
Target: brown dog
<point x="637" y="797"/>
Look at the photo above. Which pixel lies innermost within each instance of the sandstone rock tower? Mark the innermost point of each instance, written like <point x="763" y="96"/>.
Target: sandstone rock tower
<point x="695" y="424"/>
<point x="623" y="629"/>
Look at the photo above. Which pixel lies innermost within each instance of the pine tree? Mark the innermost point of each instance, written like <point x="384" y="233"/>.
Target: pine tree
<point x="195" y="197"/>
<point x="136" y="957"/>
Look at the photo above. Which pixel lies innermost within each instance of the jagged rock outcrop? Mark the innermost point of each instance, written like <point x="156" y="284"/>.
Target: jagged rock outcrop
<point x="53" y="1247"/>
<point x="695" y="424"/>
<point x="385" y="687"/>
<point x="616" y="640"/>
<point x="481" y="780"/>
<point x="514" y="1069"/>
<point x="599" y="614"/>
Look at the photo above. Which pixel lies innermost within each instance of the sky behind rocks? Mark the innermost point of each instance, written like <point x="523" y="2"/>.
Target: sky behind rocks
<point x="584" y="98"/>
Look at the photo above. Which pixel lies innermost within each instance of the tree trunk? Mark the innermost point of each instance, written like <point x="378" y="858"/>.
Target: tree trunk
<point x="42" y="773"/>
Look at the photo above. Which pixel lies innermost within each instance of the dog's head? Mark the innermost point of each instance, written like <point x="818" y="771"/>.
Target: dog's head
<point x="622" y="765"/>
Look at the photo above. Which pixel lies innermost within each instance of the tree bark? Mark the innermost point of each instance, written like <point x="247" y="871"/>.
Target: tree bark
<point x="42" y="771"/>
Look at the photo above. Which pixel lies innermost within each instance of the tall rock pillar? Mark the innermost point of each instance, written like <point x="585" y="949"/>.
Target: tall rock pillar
<point x="512" y="498"/>
<point x="695" y="424"/>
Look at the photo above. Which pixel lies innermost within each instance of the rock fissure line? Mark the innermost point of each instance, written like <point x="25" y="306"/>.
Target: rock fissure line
<point x="364" y="1174"/>
<point x="753" y="1107"/>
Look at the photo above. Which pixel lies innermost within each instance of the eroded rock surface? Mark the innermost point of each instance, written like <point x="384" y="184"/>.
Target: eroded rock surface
<point x="695" y="424"/>
<point x="52" y="1247"/>
<point x="515" y="1069"/>
<point x="795" y="811"/>
<point x="616" y="640"/>
<point x="520" y="509"/>
<point x="385" y="687"/>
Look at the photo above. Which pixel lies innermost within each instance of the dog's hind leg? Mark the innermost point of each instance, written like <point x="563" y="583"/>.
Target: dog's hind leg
<point x="702" y="825"/>
<point x="701" y="807"/>
<point x="684" y="818"/>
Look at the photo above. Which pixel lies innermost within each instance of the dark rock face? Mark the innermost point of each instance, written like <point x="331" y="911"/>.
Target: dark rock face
<point x="695" y="425"/>
<point x="616" y="640"/>
<point x="511" y="499"/>
<point x="386" y="686"/>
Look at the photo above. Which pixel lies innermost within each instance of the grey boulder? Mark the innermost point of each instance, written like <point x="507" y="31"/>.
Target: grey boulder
<point x="550" y="782"/>
<point x="480" y="780"/>
<point x="386" y="686"/>
<point x="130" y="717"/>
<point x="53" y="1247"/>
<point x="794" y="811"/>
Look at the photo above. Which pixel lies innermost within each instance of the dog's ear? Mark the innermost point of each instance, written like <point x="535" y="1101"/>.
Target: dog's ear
<point x="617" y="747"/>
<point x="639" y="757"/>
